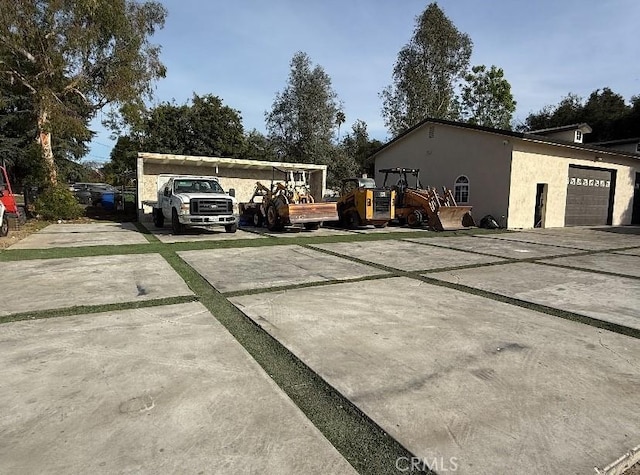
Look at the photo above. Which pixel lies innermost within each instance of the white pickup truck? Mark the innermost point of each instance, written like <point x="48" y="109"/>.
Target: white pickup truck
<point x="189" y="200"/>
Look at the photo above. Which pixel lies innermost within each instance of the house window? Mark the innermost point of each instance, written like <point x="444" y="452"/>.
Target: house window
<point x="638" y="148"/>
<point x="578" y="136"/>
<point x="461" y="189"/>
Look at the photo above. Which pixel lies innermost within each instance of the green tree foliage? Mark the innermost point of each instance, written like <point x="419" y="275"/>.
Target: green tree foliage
<point x="359" y="146"/>
<point x="202" y="127"/>
<point x="258" y="147"/>
<point x="303" y="116"/>
<point x="605" y="111"/>
<point x="121" y="167"/>
<point x="72" y="59"/>
<point x="341" y="166"/>
<point x="426" y="73"/>
<point x="487" y="99"/>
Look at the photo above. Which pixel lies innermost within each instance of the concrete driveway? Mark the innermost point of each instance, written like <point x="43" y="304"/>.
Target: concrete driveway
<point x="503" y="353"/>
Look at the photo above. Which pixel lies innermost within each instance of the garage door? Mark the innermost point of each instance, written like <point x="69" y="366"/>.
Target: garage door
<point x="589" y="194"/>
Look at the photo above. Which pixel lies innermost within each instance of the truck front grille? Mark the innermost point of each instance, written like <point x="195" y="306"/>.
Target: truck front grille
<point x="211" y="207"/>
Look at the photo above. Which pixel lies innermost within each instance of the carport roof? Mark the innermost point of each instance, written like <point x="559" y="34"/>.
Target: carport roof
<point x="222" y="162"/>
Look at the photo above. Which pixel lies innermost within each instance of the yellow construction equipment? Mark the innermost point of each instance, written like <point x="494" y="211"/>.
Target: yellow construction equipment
<point x="287" y="202"/>
<point x="362" y="203"/>
<point x="418" y="206"/>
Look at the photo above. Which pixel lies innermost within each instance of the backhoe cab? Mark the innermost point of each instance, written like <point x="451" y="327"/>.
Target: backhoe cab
<point x="418" y="206"/>
<point x="362" y="203"/>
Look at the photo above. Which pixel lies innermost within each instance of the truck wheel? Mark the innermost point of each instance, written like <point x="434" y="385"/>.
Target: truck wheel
<point x="257" y="219"/>
<point x="158" y="218"/>
<point x="231" y="228"/>
<point x="176" y="225"/>
<point x="273" y="220"/>
<point x="4" y="227"/>
<point x="311" y="226"/>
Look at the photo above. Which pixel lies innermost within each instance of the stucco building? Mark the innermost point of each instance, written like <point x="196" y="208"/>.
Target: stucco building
<point x="549" y="178"/>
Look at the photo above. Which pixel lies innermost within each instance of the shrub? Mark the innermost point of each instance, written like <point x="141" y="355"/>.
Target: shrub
<point x="58" y="203"/>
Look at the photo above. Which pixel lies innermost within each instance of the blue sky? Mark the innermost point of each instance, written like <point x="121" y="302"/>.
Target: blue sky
<point x="240" y="50"/>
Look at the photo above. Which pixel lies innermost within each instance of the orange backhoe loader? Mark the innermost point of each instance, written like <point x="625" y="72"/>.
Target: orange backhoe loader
<point x="417" y="206"/>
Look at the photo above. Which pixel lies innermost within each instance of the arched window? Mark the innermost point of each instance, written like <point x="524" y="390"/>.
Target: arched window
<point x="461" y="189"/>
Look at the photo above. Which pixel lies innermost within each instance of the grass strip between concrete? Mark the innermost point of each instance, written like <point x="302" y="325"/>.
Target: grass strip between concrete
<point x="368" y="448"/>
<point x="85" y="309"/>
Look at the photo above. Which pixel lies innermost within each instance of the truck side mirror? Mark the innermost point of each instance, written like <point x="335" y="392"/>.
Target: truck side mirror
<point x="232" y="192"/>
<point x="166" y="191"/>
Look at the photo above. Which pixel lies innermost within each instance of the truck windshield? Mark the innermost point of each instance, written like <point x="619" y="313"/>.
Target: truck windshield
<point x="197" y="186"/>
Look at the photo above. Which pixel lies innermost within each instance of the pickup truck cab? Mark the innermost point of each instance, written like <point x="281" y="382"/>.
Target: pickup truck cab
<point x="199" y="201"/>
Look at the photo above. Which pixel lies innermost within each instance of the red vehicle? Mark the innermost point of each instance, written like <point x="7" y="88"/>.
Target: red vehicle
<point x="9" y="209"/>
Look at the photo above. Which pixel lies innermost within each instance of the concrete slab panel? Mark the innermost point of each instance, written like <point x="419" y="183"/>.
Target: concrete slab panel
<point x="46" y="284"/>
<point x="501" y="248"/>
<point x="201" y="234"/>
<point x="406" y="255"/>
<point x="390" y="229"/>
<point x="155" y="390"/>
<point x="478" y="386"/>
<point x="78" y="235"/>
<point x="605" y="262"/>
<point x="604" y="297"/>
<point x="237" y="269"/>
<point x="631" y="252"/>
<point x="587" y="240"/>
<point x="295" y="232"/>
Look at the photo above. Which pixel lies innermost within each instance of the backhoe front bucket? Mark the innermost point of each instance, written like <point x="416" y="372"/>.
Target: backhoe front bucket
<point x="313" y="212"/>
<point x="451" y="218"/>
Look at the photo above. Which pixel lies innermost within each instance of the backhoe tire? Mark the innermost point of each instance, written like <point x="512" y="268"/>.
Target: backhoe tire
<point x="158" y="218"/>
<point x="415" y="219"/>
<point x="176" y="226"/>
<point x="311" y="226"/>
<point x="273" y="220"/>
<point x="257" y="219"/>
<point x="231" y="228"/>
<point x="4" y="227"/>
<point x="352" y="219"/>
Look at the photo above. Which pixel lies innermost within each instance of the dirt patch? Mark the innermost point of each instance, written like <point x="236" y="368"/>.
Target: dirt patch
<point x="30" y="227"/>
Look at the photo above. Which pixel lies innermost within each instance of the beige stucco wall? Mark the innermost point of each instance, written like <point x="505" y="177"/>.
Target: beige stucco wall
<point x="242" y="180"/>
<point x="446" y="152"/>
<point x="535" y="163"/>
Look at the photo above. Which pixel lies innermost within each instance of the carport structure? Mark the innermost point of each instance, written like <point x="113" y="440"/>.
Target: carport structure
<point x="239" y="174"/>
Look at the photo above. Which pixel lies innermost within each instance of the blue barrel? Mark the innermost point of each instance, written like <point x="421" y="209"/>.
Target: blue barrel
<point x="108" y="199"/>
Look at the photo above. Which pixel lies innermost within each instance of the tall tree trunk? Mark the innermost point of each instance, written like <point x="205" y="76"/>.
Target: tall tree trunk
<point x="44" y="139"/>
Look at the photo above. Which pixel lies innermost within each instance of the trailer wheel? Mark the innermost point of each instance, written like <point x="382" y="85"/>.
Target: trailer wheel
<point x="158" y="218"/>
<point x="176" y="225"/>
<point x="4" y="227"/>
<point x="231" y="228"/>
<point x="311" y="226"/>
<point x="415" y="219"/>
<point x="273" y="220"/>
